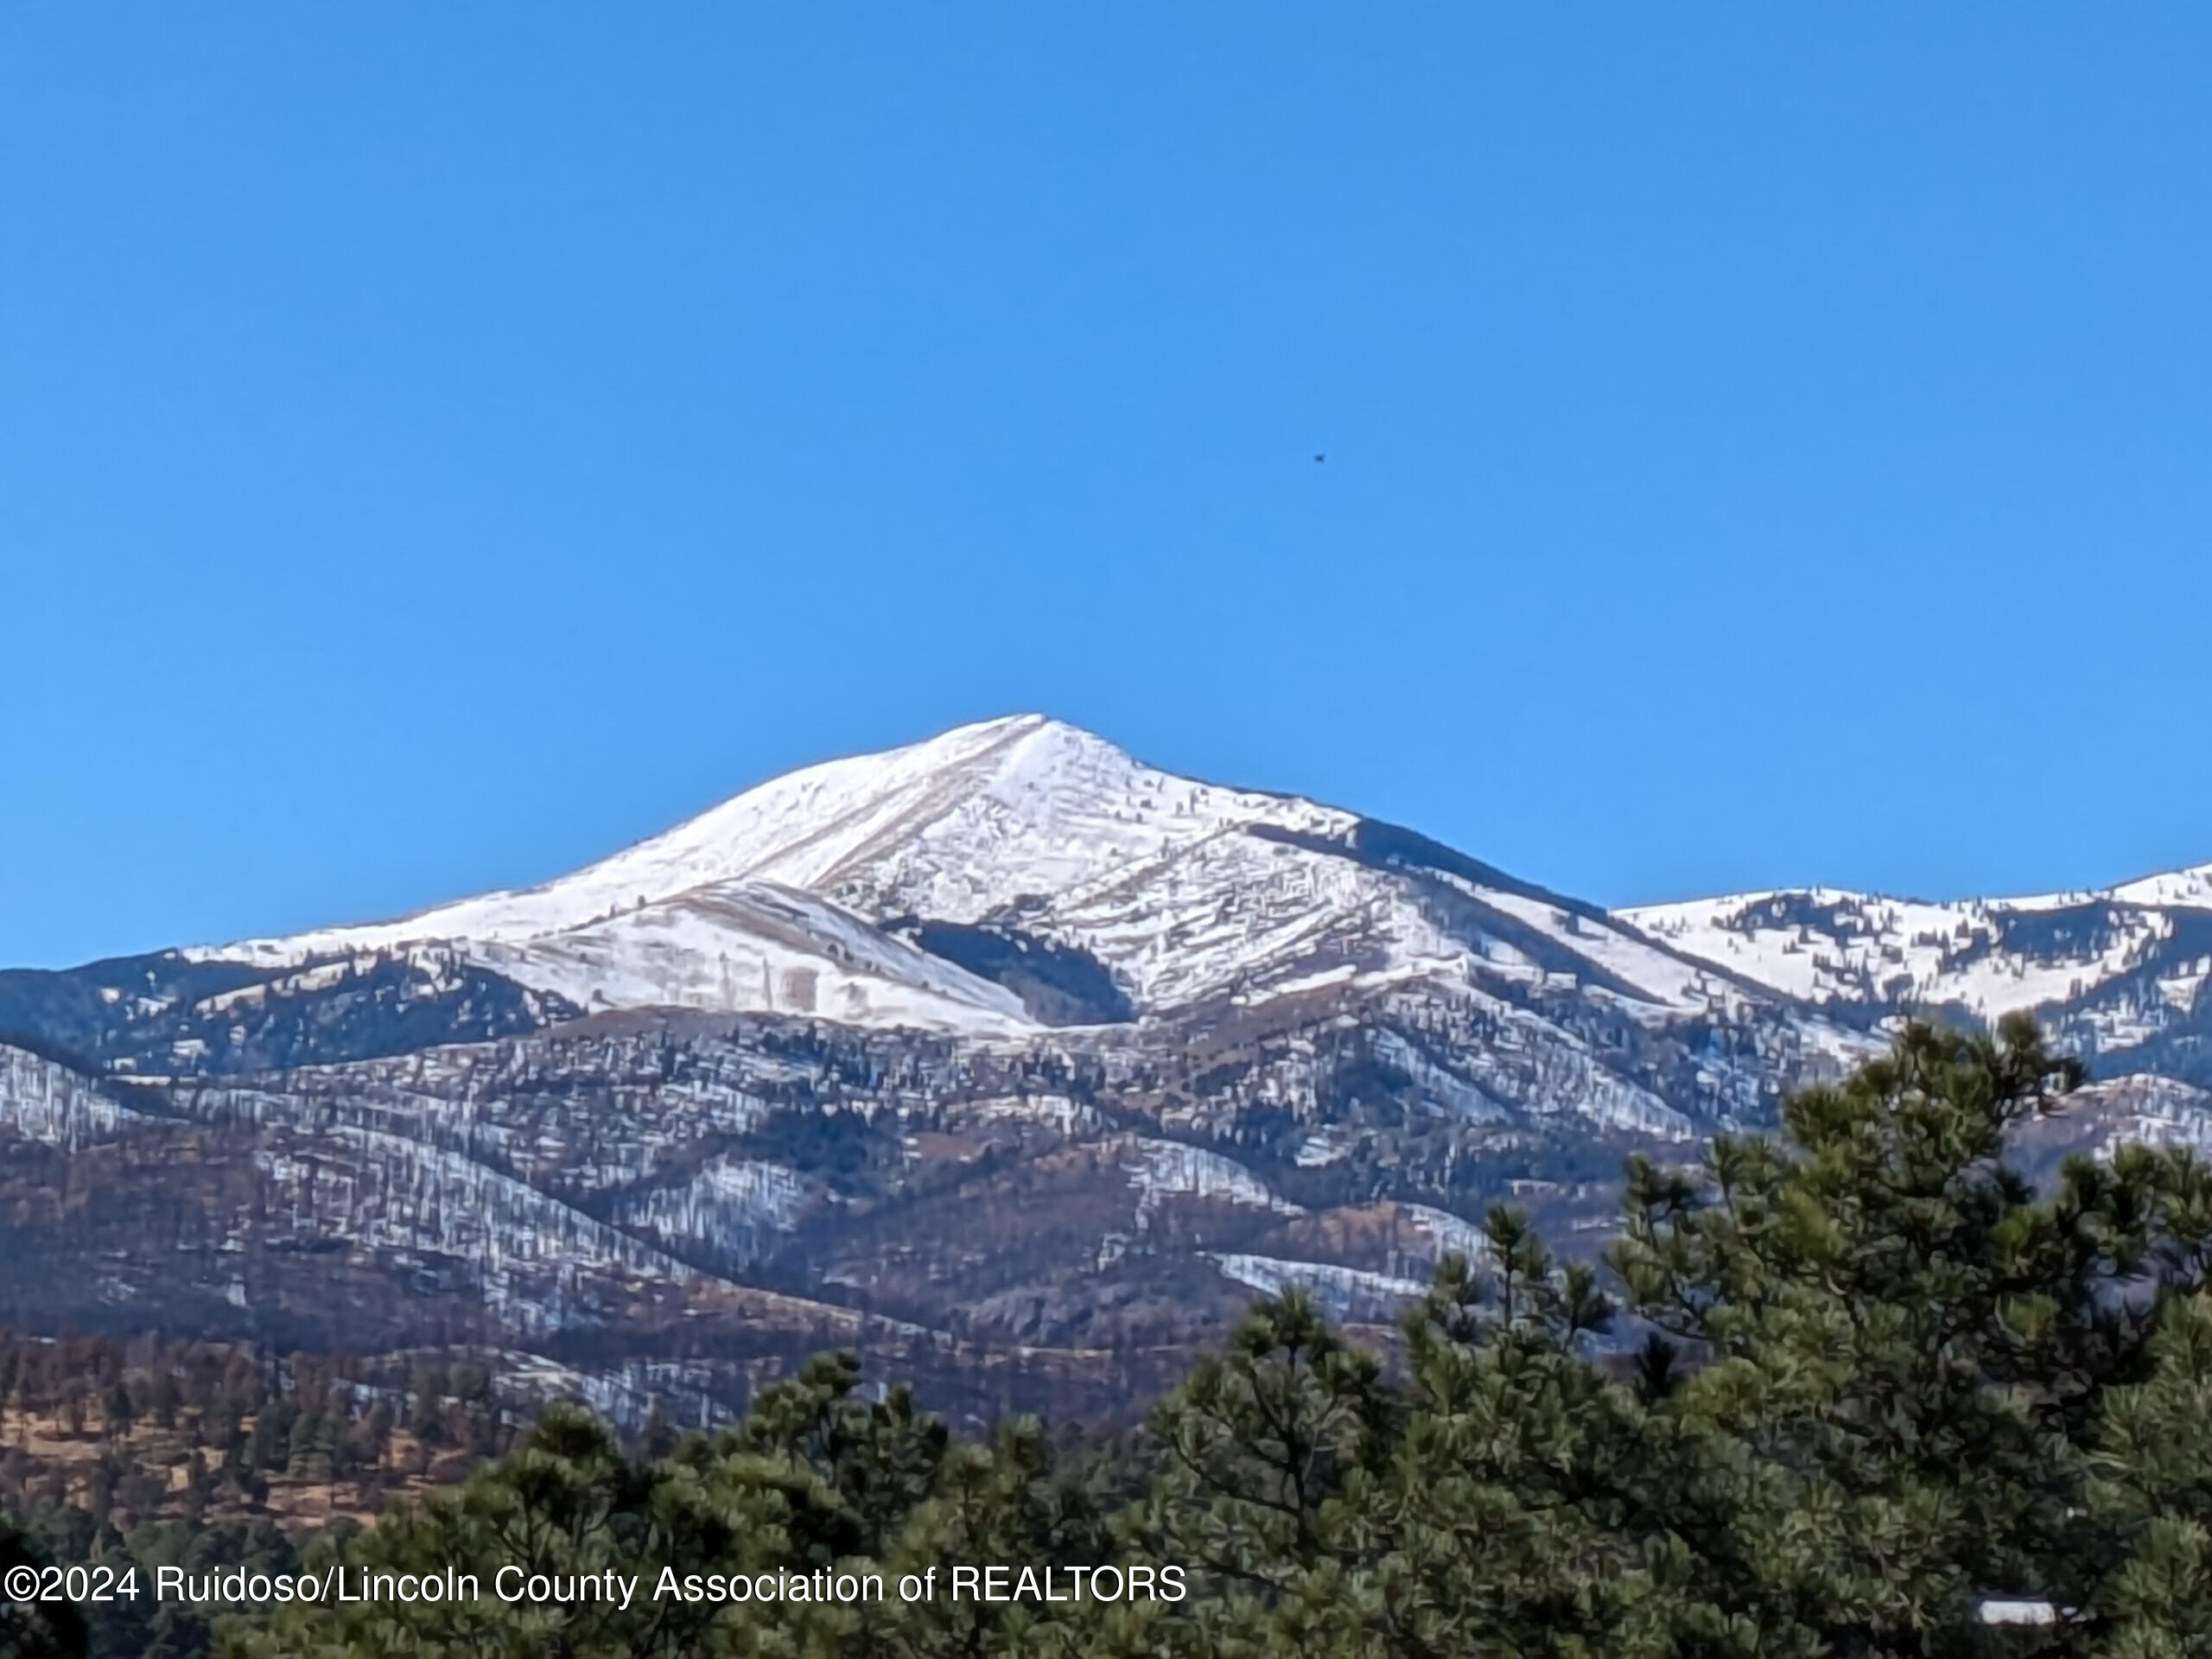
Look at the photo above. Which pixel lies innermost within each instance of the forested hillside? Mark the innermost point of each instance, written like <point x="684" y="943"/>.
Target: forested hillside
<point x="1866" y="1392"/>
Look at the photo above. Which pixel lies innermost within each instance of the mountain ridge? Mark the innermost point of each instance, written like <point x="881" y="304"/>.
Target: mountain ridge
<point x="2115" y="972"/>
<point x="801" y="873"/>
<point x="1003" y="1052"/>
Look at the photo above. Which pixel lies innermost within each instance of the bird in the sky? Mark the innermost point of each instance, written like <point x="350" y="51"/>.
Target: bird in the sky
<point x="1317" y="460"/>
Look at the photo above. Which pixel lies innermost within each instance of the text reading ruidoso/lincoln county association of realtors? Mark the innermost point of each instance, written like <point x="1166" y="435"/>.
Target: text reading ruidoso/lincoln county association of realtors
<point x="27" y="1585"/>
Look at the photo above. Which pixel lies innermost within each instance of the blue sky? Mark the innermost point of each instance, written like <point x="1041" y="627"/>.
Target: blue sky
<point x="440" y="444"/>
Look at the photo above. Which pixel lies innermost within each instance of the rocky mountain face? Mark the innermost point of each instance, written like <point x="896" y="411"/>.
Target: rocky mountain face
<point x="1013" y="1061"/>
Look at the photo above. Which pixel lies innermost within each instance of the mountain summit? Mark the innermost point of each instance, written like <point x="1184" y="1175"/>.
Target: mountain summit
<point x="869" y="890"/>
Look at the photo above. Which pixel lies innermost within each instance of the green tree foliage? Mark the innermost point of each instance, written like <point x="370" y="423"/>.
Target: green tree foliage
<point x="37" y="1630"/>
<point x="2151" y="1495"/>
<point x="845" y="1473"/>
<point x="566" y="1504"/>
<point x="1898" y="1349"/>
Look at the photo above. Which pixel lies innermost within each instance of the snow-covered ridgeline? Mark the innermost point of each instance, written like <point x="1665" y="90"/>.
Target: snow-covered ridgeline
<point x="2173" y="889"/>
<point x="1993" y="957"/>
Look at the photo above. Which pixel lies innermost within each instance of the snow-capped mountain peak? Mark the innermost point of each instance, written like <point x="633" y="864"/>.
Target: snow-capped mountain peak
<point x="796" y="829"/>
<point x="950" y="827"/>
<point x="783" y="886"/>
<point x="804" y="895"/>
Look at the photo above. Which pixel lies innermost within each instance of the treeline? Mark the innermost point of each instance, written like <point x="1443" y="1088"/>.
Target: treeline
<point x="169" y="1427"/>
<point x="150" y="1451"/>
<point x="1853" y="1389"/>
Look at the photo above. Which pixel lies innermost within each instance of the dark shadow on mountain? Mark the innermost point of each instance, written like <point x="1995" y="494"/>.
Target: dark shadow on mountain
<point x="1058" y="984"/>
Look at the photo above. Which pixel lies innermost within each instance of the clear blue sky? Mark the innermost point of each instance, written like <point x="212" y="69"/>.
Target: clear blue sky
<point x="440" y="443"/>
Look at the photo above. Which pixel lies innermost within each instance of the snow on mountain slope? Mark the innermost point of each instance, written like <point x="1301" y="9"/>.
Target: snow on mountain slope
<point x="727" y="911"/>
<point x="950" y="828"/>
<point x="1826" y="944"/>
<point x="1167" y="1168"/>
<point x="2150" y="1109"/>
<point x="2191" y="888"/>
<point x="2112" y="968"/>
<point x="759" y="946"/>
<point x="738" y="907"/>
<point x="794" y="830"/>
<point x="786" y="897"/>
